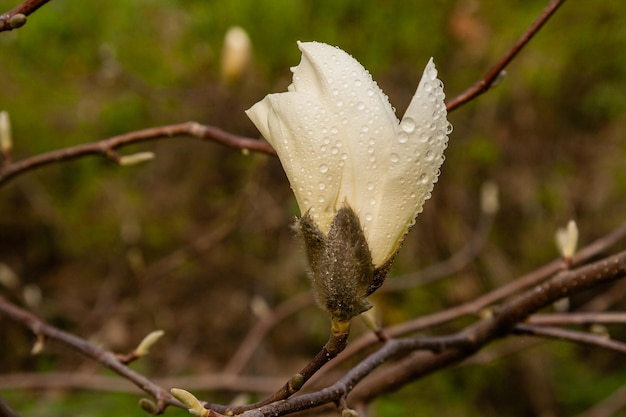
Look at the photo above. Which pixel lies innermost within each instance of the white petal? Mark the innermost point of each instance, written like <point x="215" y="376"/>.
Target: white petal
<point x="364" y="122"/>
<point x="290" y="123"/>
<point x="416" y="154"/>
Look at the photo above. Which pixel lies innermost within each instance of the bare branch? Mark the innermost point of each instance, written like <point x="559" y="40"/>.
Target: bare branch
<point x="16" y="18"/>
<point x="504" y="320"/>
<point x="108" y="359"/>
<point x="574" y="318"/>
<point x="572" y="336"/>
<point x="495" y="72"/>
<point x="106" y="147"/>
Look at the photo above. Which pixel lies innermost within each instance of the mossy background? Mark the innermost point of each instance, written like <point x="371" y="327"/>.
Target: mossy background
<point x="187" y="242"/>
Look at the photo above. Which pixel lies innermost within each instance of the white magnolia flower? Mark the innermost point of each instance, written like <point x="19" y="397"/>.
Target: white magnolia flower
<point x="341" y="144"/>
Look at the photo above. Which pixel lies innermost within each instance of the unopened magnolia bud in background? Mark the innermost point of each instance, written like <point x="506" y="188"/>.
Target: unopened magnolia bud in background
<point x="567" y="239"/>
<point x="359" y="174"/>
<point x="6" y="141"/>
<point x="236" y="54"/>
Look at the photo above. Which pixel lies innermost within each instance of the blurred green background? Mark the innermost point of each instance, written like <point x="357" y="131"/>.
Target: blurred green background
<point x="191" y="241"/>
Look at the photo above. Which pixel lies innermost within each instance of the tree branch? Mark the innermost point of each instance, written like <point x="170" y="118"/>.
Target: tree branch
<point x="475" y="306"/>
<point x="108" y="359"/>
<point x="496" y="71"/>
<point x="504" y="320"/>
<point x="106" y="147"/>
<point x="16" y="18"/>
<point x="572" y="336"/>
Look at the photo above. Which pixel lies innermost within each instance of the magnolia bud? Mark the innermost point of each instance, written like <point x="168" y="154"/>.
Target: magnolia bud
<point x="235" y="54"/>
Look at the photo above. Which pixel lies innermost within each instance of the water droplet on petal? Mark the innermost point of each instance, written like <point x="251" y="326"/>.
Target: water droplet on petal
<point x="322" y="186"/>
<point x="449" y="128"/>
<point x="369" y="217"/>
<point x="339" y="103"/>
<point x="394" y="157"/>
<point x="323" y="169"/>
<point x="431" y="71"/>
<point x="360" y="105"/>
<point x="372" y="201"/>
<point x="403" y="137"/>
<point x="370" y="186"/>
<point x="408" y="125"/>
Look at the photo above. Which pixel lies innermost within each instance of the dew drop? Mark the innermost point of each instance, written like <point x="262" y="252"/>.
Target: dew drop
<point x="370" y="186"/>
<point x="394" y="157"/>
<point x="334" y="150"/>
<point x="365" y="129"/>
<point x="423" y="178"/>
<point x="449" y="128"/>
<point x="322" y="186"/>
<point x="323" y="169"/>
<point x="408" y="125"/>
<point x="360" y="105"/>
<point x="429" y="155"/>
<point x="369" y="217"/>
<point x="403" y="137"/>
<point x="321" y="199"/>
<point x="357" y="83"/>
<point x="431" y="71"/>
<point x="335" y="92"/>
<point x="344" y="156"/>
<point x="339" y="103"/>
<point x="369" y="92"/>
<point x="372" y="201"/>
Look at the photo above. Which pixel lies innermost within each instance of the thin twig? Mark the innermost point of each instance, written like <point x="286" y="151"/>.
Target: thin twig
<point x="8" y="19"/>
<point x="108" y="359"/>
<point x="571" y="335"/>
<point x="337" y="341"/>
<point x="577" y="318"/>
<point x="258" y="332"/>
<point x="495" y="72"/>
<point x="112" y="383"/>
<point x="106" y="147"/>
<point x="453" y="264"/>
